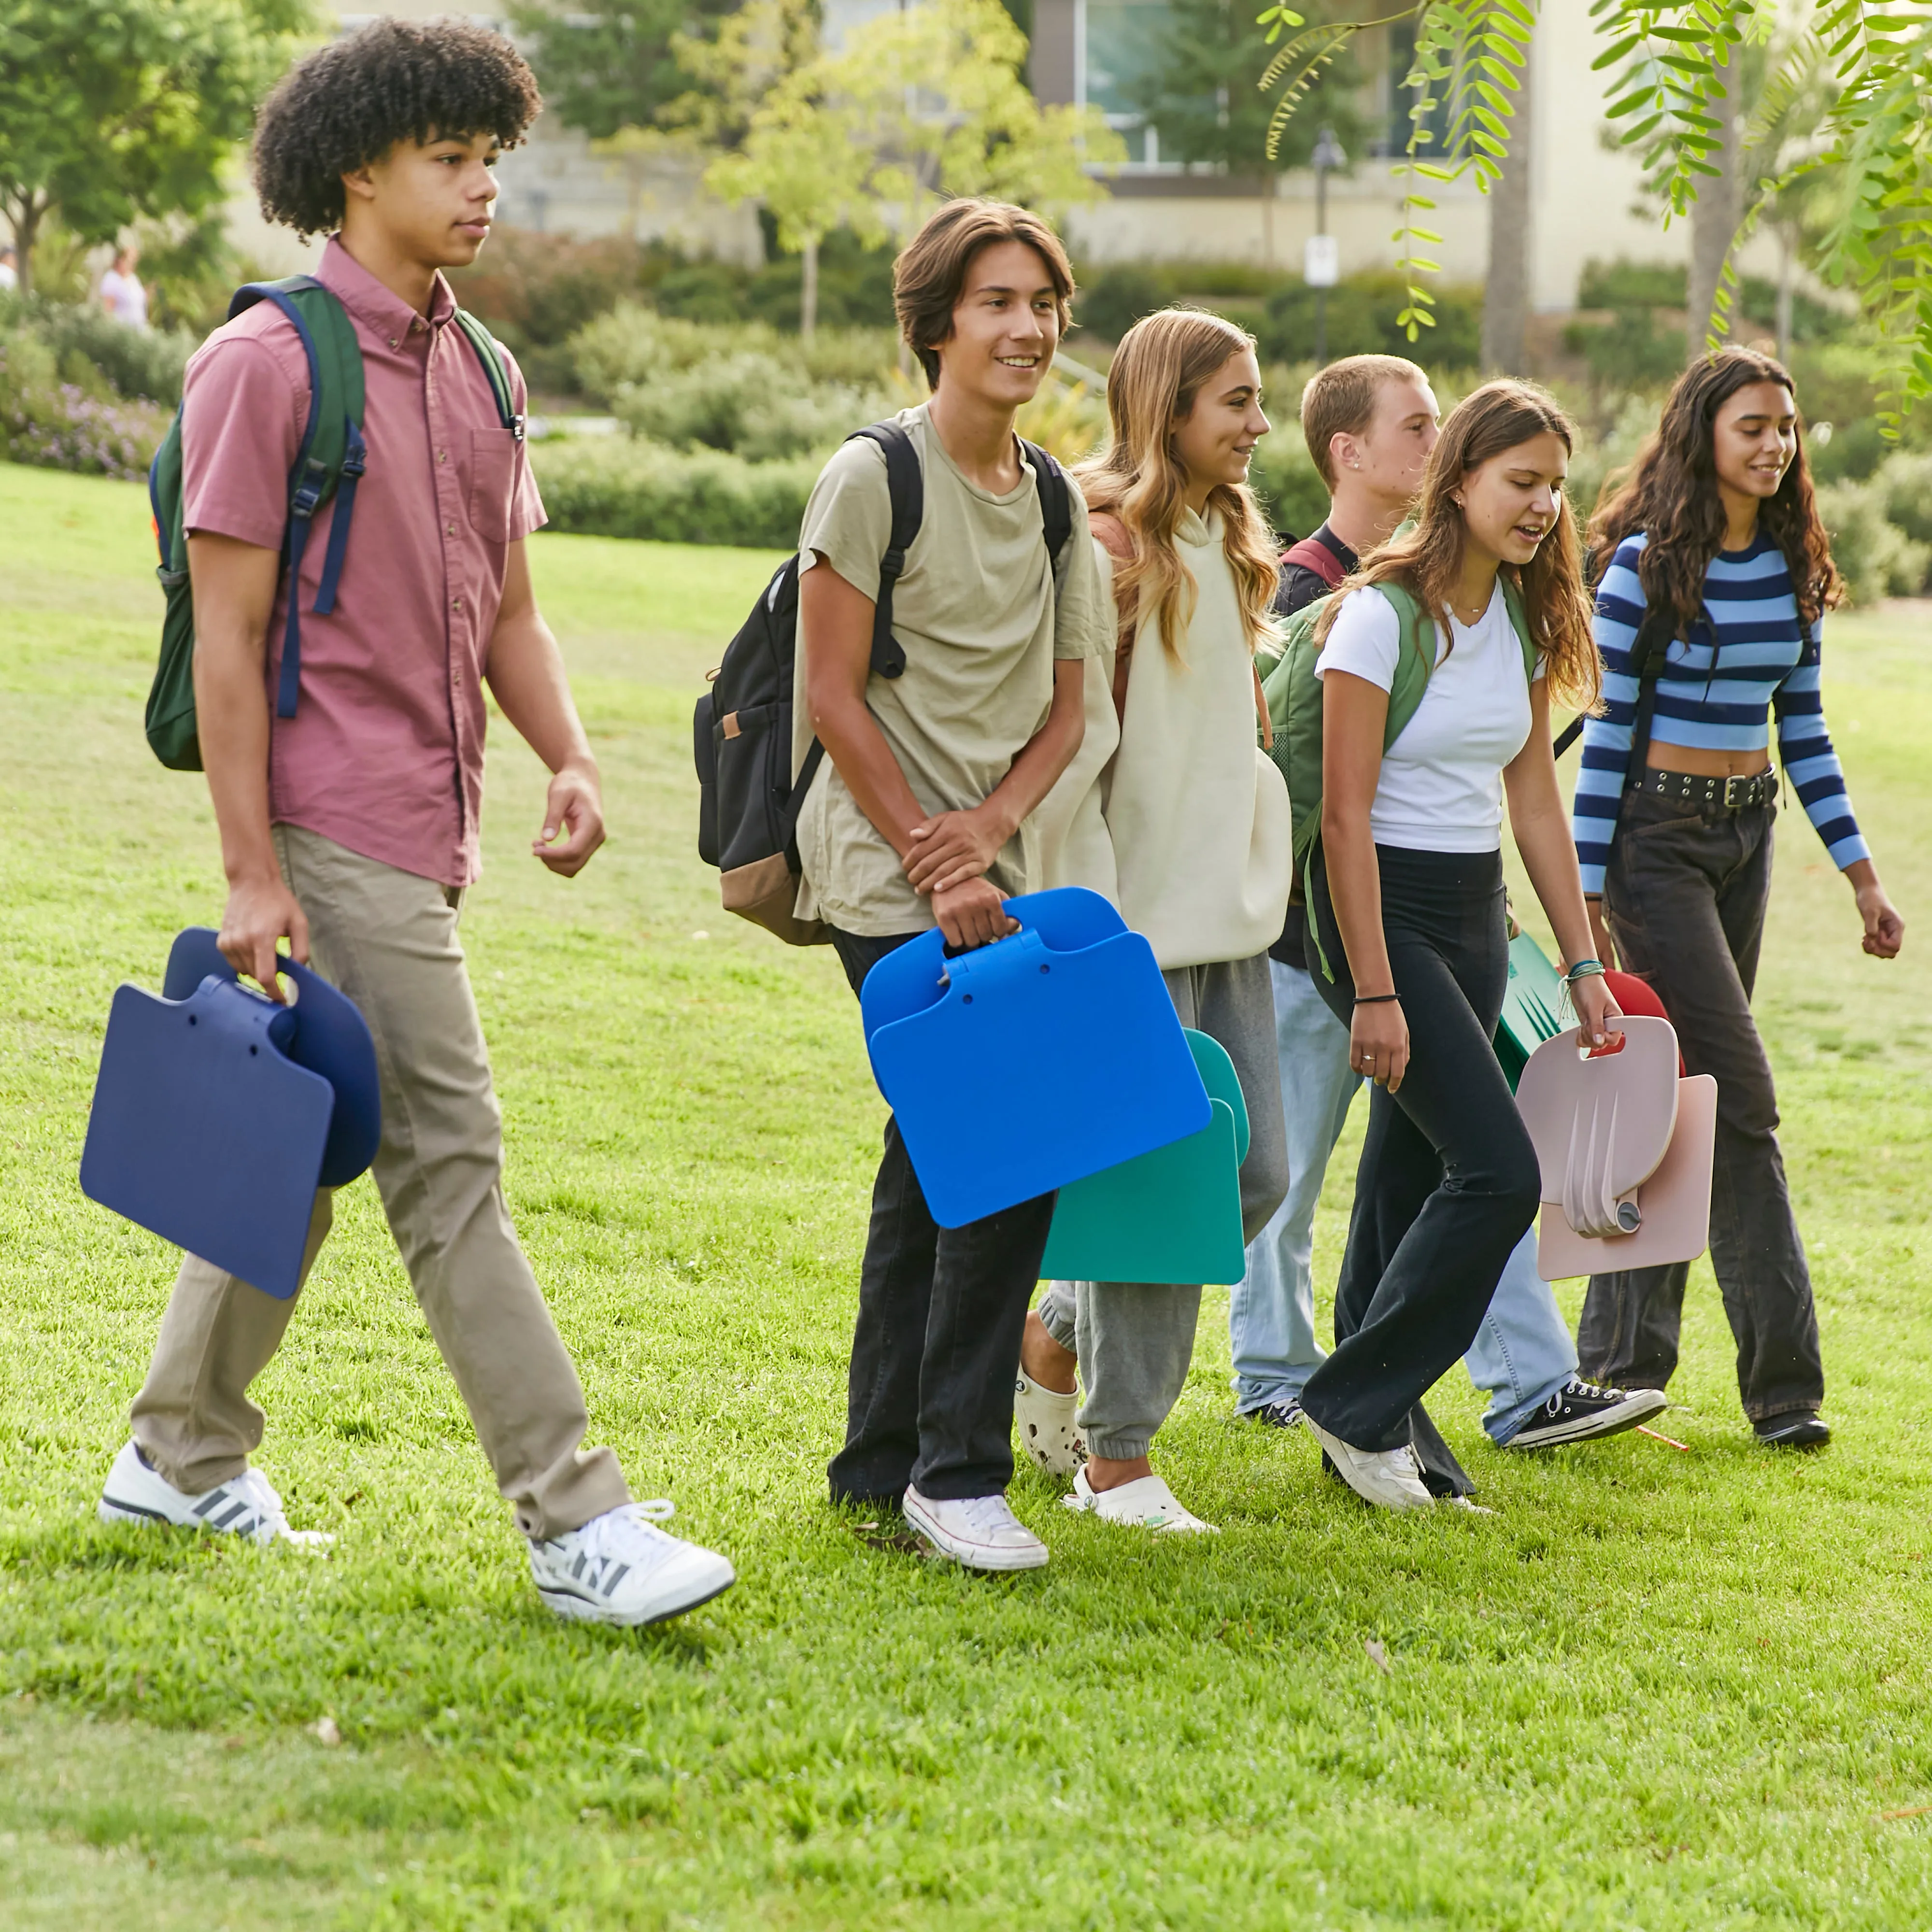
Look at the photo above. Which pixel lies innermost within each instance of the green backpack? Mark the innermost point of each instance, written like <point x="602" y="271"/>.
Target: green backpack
<point x="1293" y="694"/>
<point x="329" y="462"/>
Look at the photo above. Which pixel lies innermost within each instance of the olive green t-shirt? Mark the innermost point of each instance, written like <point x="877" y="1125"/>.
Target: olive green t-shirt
<point x="981" y="621"/>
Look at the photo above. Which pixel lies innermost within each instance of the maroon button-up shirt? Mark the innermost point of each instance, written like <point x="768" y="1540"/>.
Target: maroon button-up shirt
<point x="385" y="753"/>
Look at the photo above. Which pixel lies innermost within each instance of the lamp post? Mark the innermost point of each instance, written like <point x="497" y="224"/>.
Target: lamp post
<point x="1321" y="260"/>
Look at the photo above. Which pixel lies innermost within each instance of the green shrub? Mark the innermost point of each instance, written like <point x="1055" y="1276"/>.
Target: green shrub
<point x="1875" y="557"/>
<point x="60" y="425"/>
<point x="1361" y="321"/>
<point x="1627" y="285"/>
<point x="1117" y="297"/>
<point x="616" y="487"/>
<point x="1285" y="479"/>
<point x="1904" y="485"/>
<point x="1632" y="350"/>
<point x="758" y="405"/>
<point x="145" y="364"/>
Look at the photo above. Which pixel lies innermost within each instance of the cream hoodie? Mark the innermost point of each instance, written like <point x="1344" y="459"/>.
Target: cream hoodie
<point x="1196" y="813"/>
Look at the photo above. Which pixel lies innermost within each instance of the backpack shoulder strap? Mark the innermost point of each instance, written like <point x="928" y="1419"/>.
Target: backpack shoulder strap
<point x="1313" y="554"/>
<point x="905" y="483"/>
<point x="1056" y="511"/>
<point x="1519" y="618"/>
<point x="1415" y="659"/>
<point x="496" y="370"/>
<point x="331" y="455"/>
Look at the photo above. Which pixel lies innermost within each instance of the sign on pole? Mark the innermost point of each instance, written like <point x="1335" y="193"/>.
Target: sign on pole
<point x="1321" y="261"/>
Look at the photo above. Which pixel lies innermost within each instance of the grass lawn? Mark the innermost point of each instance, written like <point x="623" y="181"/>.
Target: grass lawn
<point x="1654" y="1689"/>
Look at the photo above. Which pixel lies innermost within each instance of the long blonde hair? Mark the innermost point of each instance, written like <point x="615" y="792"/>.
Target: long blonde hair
<point x="1426" y="559"/>
<point x="1159" y="369"/>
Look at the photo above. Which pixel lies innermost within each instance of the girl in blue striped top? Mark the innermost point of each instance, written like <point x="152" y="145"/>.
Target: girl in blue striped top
<point x="1716" y="572"/>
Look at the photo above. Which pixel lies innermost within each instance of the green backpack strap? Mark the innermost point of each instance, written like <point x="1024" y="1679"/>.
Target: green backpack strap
<point x="496" y="370"/>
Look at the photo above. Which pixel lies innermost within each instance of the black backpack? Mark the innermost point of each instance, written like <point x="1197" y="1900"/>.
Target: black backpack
<point x="749" y="803"/>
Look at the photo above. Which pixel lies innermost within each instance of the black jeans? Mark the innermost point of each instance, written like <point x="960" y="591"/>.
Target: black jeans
<point x="1685" y="895"/>
<point x="935" y="1357"/>
<point x="1448" y="1181"/>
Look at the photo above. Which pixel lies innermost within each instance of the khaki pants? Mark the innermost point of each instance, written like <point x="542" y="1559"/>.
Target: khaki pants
<point x="387" y="939"/>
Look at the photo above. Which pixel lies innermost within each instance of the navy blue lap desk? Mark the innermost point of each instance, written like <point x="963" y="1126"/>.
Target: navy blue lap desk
<point x="218" y="1114"/>
<point x="1017" y="1067"/>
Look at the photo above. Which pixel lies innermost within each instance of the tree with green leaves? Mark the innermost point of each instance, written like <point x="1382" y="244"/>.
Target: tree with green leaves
<point x="113" y="109"/>
<point x="609" y="64"/>
<point x="1674" y="65"/>
<point x="1197" y="85"/>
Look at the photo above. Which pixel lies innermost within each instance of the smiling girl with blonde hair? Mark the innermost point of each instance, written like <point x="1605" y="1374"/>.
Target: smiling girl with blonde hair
<point x="1197" y="819"/>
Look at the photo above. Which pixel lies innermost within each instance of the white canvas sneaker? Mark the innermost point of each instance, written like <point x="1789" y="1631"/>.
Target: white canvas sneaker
<point x="1146" y="1503"/>
<point x="982" y="1532"/>
<point x="1389" y="1478"/>
<point x="245" y="1505"/>
<point x="1045" y="1419"/>
<point x="620" y="1568"/>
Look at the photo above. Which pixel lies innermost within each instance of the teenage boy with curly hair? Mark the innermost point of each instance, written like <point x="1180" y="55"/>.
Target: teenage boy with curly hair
<point x="351" y="828"/>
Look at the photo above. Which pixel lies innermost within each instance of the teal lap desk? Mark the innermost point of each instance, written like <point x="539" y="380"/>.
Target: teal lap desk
<point x="1174" y="1215"/>
<point x="218" y="1114"/>
<point x="1018" y="1067"/>
<point x="1534" y="1007"/>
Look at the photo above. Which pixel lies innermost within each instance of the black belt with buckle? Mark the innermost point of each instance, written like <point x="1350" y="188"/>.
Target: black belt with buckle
<point x="1708" y="794"/>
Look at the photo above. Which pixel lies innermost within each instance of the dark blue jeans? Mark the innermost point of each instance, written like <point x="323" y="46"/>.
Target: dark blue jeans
<point x="1448" y="1181"/>
<point x="1686" y="893"/>
<point x="935" y="1355"/>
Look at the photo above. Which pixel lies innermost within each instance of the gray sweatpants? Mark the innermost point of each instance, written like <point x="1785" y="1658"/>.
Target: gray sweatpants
<point x="1135" y="1339"/>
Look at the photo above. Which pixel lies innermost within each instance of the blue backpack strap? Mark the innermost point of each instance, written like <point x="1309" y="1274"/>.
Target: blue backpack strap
<point x="906" y="483"/>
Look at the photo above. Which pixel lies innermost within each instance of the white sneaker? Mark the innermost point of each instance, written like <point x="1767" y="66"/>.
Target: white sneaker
<point x="245" y="1505"/>
<point x="1146" y="1503"/>
<point x="982" y="1532"/>
<point x="1390" y="1478"/>
<point x="620" y="1568"/>
<point x="1045" y="1419"/>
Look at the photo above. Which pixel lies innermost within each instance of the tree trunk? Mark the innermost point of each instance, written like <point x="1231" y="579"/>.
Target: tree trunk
<point x="1506" y="293"/>
<point x="808" y="290"/>
<point x="1787" y="275"/>
<point x="1714" y="216"/>
<point x="24" y="217"/>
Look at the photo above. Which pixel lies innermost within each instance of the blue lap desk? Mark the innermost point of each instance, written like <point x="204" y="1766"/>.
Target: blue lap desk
<point x="1174" y="1215"/>
<point x="217" y="1114"/>
<point x="1018" y="1067"/>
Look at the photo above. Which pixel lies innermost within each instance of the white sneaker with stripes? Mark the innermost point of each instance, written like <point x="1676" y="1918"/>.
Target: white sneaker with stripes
<point x="620" y="1568"/>
<point x="246" y="1505"/>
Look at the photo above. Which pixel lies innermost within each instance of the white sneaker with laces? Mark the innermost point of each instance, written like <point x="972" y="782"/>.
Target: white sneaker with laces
<point x="1045" y="1419"/>
<point x="982" y="1532"/>
<point x="1389" y="1478"/>
<point x="620" y="1568"/>
<point x="1146" y="1503"/>
<point x="245" y="1505"/>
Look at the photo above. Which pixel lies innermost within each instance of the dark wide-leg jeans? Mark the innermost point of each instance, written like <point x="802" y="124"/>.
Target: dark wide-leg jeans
<point x="936" y="1353"/>
<point x="1448" y="1181"/>
<point x="1685" y="895"/>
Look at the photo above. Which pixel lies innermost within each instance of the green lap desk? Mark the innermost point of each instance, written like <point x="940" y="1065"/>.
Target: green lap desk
<point x="1174" y="1215"/>
<point x="1534" y="1007"/>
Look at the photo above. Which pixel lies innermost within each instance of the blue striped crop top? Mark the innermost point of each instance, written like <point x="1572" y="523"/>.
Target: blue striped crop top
<point x="1747" y="654"/>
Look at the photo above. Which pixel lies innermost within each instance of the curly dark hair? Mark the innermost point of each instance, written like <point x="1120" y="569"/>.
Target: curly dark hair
<point x="1671" y="493"/>
<point x="348" y="103"/>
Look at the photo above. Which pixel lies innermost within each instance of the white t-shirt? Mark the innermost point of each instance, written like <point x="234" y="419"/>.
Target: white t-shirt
<point x="1442" y="784"/>
<point x="126" y="296"/>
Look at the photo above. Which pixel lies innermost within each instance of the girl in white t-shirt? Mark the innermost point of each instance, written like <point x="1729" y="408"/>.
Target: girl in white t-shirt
<point x="1406" y="888"/>
<point x="1187" y="828"/>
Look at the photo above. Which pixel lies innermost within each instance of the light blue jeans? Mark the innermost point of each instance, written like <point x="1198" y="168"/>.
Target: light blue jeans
<point x="1523" y="1353"/>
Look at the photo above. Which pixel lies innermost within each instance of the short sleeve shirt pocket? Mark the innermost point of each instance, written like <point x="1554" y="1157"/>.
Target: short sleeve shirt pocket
<point x="493" y="483"/>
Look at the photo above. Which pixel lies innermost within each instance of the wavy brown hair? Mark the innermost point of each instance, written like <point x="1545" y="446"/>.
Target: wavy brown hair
<point x="1670" y="493"/>
<point x="1158" y="372"/>
<point x="1427" y="558"/>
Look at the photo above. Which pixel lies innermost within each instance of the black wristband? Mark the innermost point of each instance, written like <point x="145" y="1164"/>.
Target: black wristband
<point x="1375" y="999"/>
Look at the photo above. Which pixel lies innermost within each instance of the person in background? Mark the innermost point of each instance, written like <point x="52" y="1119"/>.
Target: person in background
<point x="1713" y="550"/>
<point x="1370" y="422"/>
<point x="1405" y="892"/>
<point x="120" y="292"/>
<point x="1197" y="819"/>
<point x="9" y="269"/>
